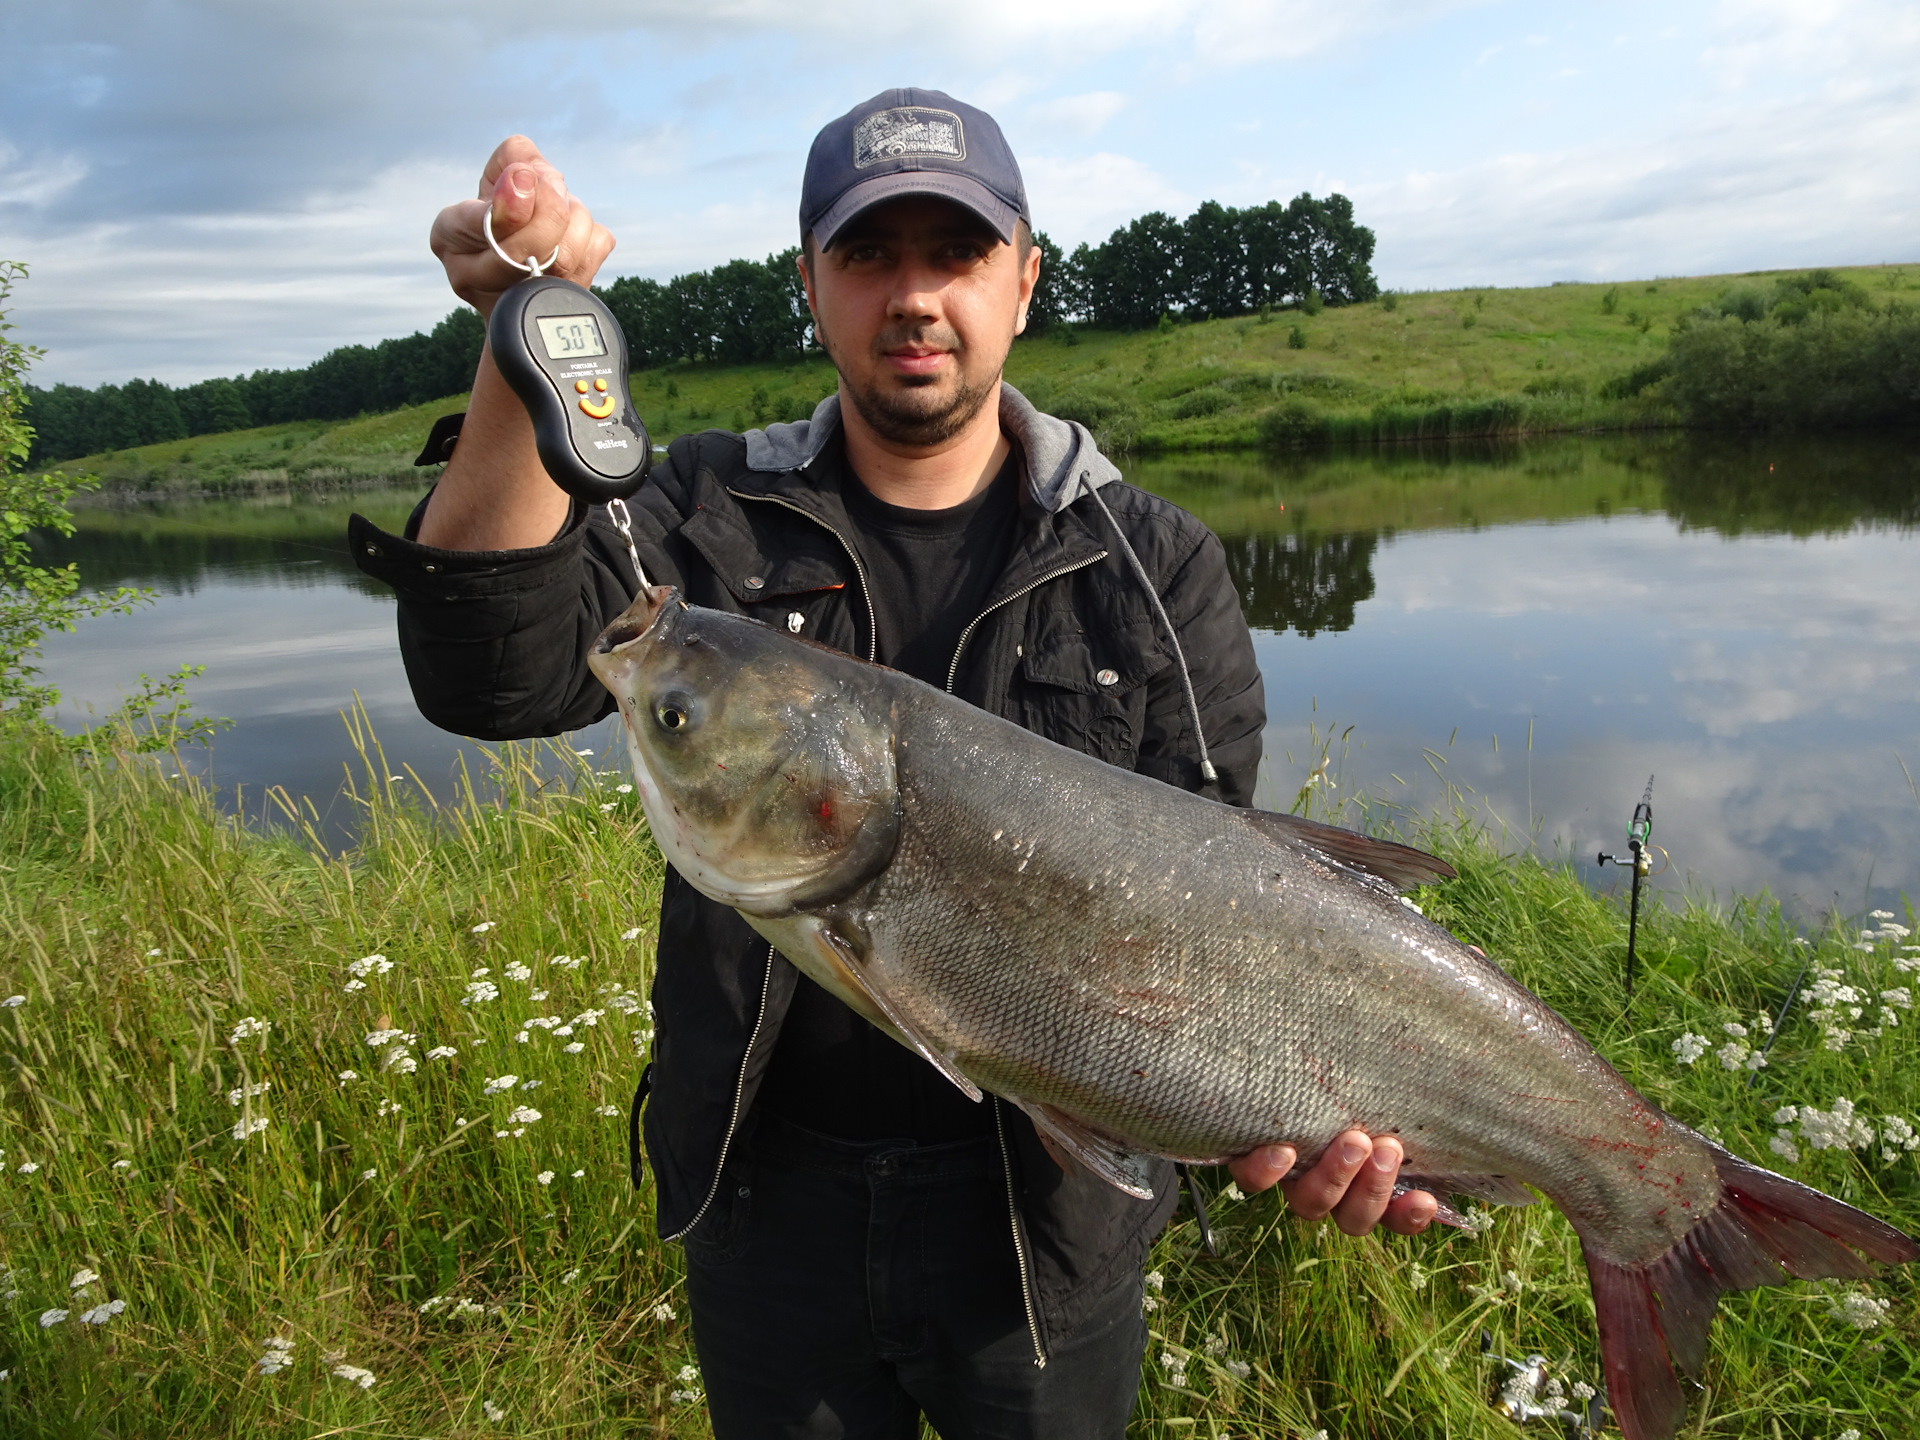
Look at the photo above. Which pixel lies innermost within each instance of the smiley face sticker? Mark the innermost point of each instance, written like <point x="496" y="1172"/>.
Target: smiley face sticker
<point x="595" y="401"/>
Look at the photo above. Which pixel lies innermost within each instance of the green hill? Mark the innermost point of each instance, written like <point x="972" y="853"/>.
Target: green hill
<point x="1433" y="364"/>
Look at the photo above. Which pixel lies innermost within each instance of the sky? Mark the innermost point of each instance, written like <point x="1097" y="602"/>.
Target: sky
<point x="206" y="187"/>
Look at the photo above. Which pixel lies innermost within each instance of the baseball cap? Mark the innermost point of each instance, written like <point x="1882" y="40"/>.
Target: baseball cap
<point x="910" y="142"/>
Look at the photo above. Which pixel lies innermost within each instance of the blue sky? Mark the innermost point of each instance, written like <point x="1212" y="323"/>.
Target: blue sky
<point x="207" y="186"/>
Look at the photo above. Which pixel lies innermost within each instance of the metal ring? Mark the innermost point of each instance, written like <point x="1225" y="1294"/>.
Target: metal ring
<point x="1668" y="859"/>
<point x="530" y="265"/>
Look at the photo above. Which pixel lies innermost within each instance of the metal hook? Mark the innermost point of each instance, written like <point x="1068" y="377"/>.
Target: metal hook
<point x="535" y="268"/>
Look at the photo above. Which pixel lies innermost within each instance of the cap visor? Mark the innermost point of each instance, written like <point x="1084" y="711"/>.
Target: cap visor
<point x="960" y="189"/>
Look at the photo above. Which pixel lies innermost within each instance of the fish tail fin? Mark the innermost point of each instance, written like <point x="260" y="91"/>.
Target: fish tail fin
<point x="1767" y="1229"/>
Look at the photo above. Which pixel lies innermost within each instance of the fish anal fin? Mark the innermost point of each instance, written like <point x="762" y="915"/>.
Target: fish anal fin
<point x="1121" y="1168"/>
<point x="1494" y="1189"/>
<point x="850" y="967"/>
<point x="1400" y="866"/>
<point x="1444" y="1213"/>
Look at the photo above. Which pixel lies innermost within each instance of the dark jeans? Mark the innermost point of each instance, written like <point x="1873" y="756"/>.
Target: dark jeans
<point x="842" y="1290"/>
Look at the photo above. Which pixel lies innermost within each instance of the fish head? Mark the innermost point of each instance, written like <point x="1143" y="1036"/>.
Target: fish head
<point x="765" y="763"/>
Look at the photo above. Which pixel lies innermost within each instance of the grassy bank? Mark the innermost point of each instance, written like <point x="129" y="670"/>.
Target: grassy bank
<point x="196" y="1118"/>
<point x="1434" y="365"/>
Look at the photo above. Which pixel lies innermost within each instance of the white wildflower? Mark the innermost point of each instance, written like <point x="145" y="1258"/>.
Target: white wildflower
<point x="492" y="1411"/>
<point x="123" y="1164"/>
<point x="570" y="1277"/>
<point x="1733" y="1055"/>
<point x="1786" y="1115"/>
<point x="101" y="1314"/>
<point x="51" y="1318"/>
<point x="574" y="1048"/>
<point x="347" y="1075"/>
<point x="247" y="1028"/>
<point x="522" y="1038"/>
<point x="545" y="1177"/>
<point x="353" y="985"/>
<point x="1848" y="1434"/>
<point x="626" y="1003"/>
<point x="1859" y="1309"/>
<point x="1175" y="1366"/>
<point x="1238" y="1369"/>
<point x="1689" y="1047"/>
<point x="1763" y="1023"/>
<point x="29" y="1167"/>
<point x="530" y="1084"/>
<point x="1155" y="1279"/>
<point x="578" y="1173"/>
<point x="401" y="1059"/>
<point x="1418" y="1277"/>
<point x="381" y="1039"/>
<point x="606" y="1110"/>
<point x="1478" y="1220"/>
<point x="360" y="1377"/>
<point x="14" y="1002"/>
<point x="517" y="971"/>
<point x="609" y="805"/>
<point x="479" y="992"/>
<point x="568" y="962"/>
<point x="1582" y="1390"/>
<point x="481" y="928"/>
<point x="1782" y="1145"/>
<point x="523" y="1115"/>
<point x="1735" y="1029"/>
<point x="623" y="789"/>
<point x="243" y="1127"/>
<point x="633" y="934"/>
<point x="248" y="1092"/>
<point x="1836" y="1129"/>
<point x="1900" y="996"/>
<point x="501" y="1082"/>
<point x="1511" y="1281"/>
<point x="442" y="1052"/>
<point x="369" y="965"/>
<point x="277" y="1355"/>
<point x="663" y="1312"/>
<point x="1757" y="1060"/>
<point x="370" y="1173"/>
<point x="81" y="1278"/>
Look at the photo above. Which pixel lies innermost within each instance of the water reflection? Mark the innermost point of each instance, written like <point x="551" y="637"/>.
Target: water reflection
<point x="1738" y="618"/>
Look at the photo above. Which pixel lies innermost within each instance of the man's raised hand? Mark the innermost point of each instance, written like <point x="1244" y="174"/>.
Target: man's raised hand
<point x="532" y="213"/>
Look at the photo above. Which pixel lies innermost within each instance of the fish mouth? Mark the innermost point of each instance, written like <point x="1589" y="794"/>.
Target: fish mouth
<point x="633" y="622"/>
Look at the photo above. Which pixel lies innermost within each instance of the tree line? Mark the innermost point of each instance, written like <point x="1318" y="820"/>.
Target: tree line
<point x="1220" y="261"/>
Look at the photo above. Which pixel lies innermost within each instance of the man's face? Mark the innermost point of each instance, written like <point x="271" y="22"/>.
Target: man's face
<point x="917" y="304"/>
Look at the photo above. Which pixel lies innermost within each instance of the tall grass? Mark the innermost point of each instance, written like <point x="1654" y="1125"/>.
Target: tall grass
<point x="368" y="1228"/>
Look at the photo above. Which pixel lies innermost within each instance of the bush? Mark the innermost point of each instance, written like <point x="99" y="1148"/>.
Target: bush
<point x="1292" y="424"/>
<point x="1837" y="368"/>
<point x="1296" y="338"/>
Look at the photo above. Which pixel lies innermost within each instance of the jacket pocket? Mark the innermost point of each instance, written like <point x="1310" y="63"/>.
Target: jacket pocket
<point x="1089" y="692"/>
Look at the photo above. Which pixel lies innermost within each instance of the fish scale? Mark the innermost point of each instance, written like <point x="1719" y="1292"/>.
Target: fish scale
<point x="1147" y="972"/>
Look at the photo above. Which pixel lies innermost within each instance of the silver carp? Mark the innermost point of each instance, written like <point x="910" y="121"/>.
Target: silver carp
<point x="1147" y="972"/>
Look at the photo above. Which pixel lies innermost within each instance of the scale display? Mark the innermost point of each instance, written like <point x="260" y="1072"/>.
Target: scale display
<point x="570" y="337"/>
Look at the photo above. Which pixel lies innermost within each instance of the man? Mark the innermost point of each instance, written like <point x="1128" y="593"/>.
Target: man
<point x="863" y="1243"/>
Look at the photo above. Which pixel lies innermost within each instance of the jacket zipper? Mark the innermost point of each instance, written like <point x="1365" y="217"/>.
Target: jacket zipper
<point x="1019" y="1242"/>
<point x="739" y="1090"/>
<point x="953" y="670"/>
<point x="860" y="573"/>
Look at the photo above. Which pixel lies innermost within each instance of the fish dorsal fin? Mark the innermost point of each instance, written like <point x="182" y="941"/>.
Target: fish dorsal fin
<point x="1123" y="1169"/>
<point x="1400" y="866"/>
<point x="850" y="967"/>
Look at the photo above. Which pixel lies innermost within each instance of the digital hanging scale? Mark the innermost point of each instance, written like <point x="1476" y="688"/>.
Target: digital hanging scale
<point x="564" y="355"/>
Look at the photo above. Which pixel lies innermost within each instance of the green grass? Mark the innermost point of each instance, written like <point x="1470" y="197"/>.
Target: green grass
<point x="142" y="926"/>
<point x="1429" y="365"/>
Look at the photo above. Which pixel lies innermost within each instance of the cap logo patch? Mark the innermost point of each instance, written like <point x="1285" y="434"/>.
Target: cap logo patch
<point x="906" y="131"/>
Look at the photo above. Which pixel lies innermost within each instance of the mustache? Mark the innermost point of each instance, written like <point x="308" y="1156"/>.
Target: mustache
<point x="934" y="337"/>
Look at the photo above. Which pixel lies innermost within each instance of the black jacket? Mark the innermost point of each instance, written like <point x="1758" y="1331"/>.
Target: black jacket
<point x="1067" y="646"/>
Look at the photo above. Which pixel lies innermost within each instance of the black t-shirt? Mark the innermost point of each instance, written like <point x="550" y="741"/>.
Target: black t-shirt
<point x="929" y="573"/>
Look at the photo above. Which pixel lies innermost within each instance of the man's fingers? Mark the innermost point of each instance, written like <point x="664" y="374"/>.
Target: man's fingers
<point x="1261" y="1169"/>
<point x="1365" y="1202"/>
<point x="514" y="150"/>
<point x="1314" y="1195"/>
<point x="1411" y="1213"/>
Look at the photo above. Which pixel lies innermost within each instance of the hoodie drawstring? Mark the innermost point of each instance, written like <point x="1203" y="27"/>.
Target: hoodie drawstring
<point x="1207" y="772"/>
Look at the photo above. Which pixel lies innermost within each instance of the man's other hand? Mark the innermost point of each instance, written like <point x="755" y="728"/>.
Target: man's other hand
<point x="1352" y="1181"/>
<point x="532" y="213"/>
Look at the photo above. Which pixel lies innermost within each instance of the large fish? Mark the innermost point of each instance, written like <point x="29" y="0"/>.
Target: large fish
<point x="1144" y="971"/>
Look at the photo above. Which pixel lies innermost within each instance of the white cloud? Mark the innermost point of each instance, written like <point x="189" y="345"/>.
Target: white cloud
<point x="1075" y="115"/>
<point x="1084" y="197"/>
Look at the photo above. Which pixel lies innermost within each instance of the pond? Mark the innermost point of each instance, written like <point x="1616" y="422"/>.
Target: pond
<point x="1526" y="631"/>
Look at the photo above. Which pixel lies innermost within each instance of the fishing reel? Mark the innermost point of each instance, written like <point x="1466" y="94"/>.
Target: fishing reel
<point x="1528" y="1391"/>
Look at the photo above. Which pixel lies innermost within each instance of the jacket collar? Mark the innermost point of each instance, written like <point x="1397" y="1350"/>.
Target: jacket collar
<point x="1059" y="455"/>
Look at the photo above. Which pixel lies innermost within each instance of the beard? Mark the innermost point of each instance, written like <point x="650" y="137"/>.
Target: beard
<point x="919" y="411"/>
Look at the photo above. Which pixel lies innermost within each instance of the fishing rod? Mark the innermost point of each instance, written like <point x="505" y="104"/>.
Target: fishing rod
<point x="1639" y="857"/>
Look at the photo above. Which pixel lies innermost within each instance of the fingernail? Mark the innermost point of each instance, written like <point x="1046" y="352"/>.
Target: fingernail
<point x="523" y="178"/>
<point x="558" y="181"/>
<point x="1352" y="1153"/>
<point x="1385" y="1158"/>
<point x="1280" y="1157"/>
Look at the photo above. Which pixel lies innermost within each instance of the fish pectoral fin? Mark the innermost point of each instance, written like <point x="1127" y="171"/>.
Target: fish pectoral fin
<point x="1494" y="1189"/>
<point x="1401" y="866"/>
<point x="1121" y="1168"/>
<point x="851" y="967"/>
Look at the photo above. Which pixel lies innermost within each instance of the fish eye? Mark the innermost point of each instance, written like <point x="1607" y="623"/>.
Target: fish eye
<point x="674" y="713"/>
